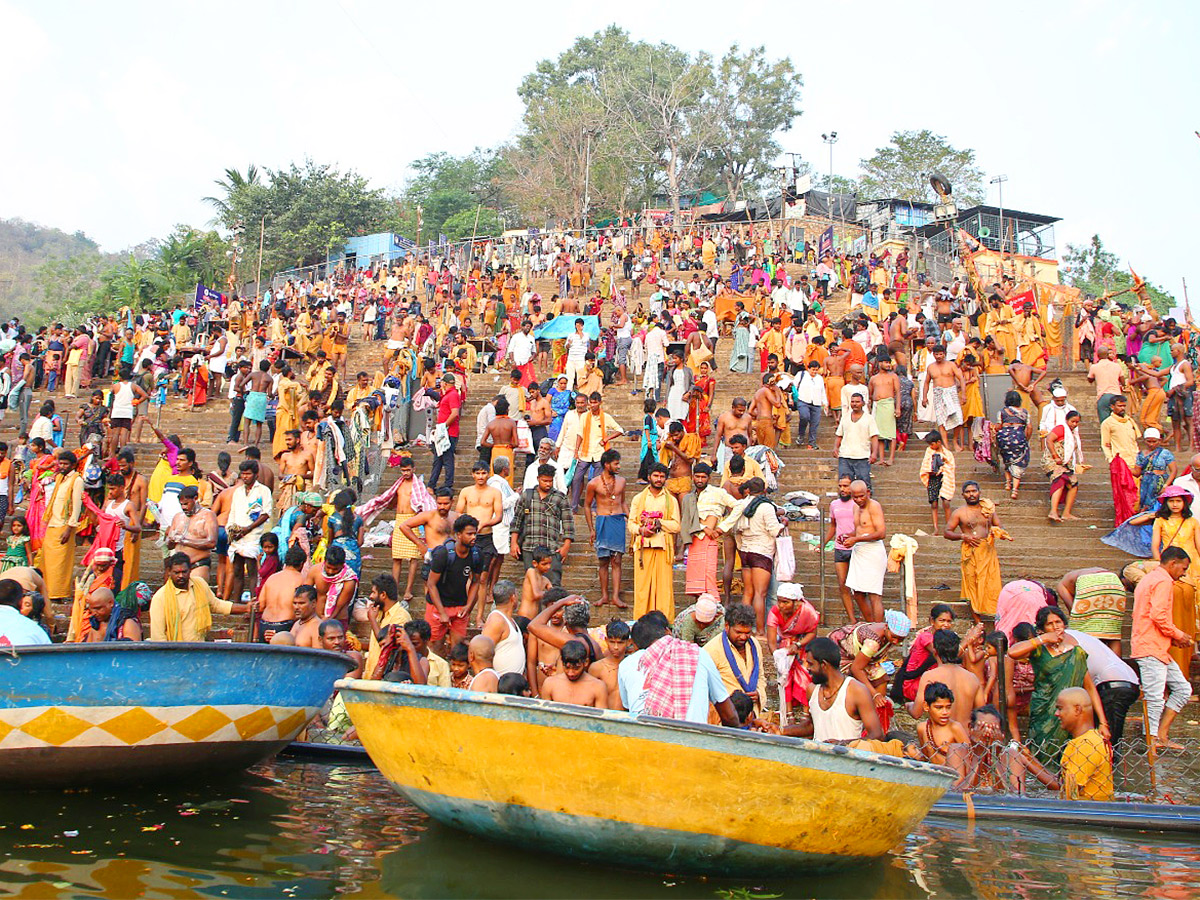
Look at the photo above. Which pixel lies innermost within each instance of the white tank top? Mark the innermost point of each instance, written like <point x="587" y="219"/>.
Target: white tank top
<point x="122" y="407"/>
<point x="834" y="724"/>
<point x="510" y="652"/>
<point x="471" y="687"/>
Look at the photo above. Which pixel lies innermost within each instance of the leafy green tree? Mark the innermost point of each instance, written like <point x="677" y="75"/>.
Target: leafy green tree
<point x="462" y="225"/>
<point x="232" y="185"/>
<point x="902" y="169"/>
<point x="752" y="100"/>
<point x="1097" y="271"/>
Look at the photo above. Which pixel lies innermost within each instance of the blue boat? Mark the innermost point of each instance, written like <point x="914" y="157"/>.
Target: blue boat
<point x="77" y="714"/>
<point x="637" y="792"/>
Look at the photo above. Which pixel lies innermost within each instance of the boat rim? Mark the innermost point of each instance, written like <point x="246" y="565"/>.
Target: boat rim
<point x="21" y="650"/>
<point x="482" y="698"/>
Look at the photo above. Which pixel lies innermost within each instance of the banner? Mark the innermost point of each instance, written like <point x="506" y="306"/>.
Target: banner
<point x="1018" y="301"/>
<point x="403" y="243"/>
<point x="825" y="244"/>
<point x="208" y="295"/>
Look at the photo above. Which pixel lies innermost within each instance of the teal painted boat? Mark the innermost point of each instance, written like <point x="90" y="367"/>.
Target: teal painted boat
<point x="74" y="714"/>
<point x="637" y="792"/>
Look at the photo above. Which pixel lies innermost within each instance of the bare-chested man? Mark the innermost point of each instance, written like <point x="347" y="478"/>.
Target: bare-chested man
<point x="437" y="523"/>
<point x="221" y="506"/>
<point x="868" y="555"/>
<point x="486" y="504"/>
<point x="606" y="525"/>
<point x="770" y="413"/>
<point x="539" y="415"/>
<point x="307" y="620"/>
<point x="29" y="578"/>
<point x="295" y="468"/>
<point x="402" y="548"/>
<point x="194" y="531"/>
<point x="737" y="420"/>
<point x="965" y="685"/>
<point x="500" y="436"/>
<point x="136" y="490"/>
<point x="884" y="388"/>
<point x="617" y="643"/>
<point x="277" y="595"/>
<point x="258" y="388"/>
<point x="573" y="684"/>
<point x="976" y="525"/>
<point x="943" y="392"/>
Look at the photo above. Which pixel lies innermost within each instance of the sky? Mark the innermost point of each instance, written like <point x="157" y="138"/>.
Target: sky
<point x="119" y="115"/>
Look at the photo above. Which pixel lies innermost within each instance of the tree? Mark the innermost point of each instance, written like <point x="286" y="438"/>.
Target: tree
<point x="902" y="169"/>
<point x="232" y="185"/>
<point x="751" y="101"/>
<point x="1097" y="271"/>
<point x="463" y="225"/>
<point x="446" y="186"/>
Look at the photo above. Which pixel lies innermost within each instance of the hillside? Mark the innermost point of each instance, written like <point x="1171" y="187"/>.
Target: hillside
<point x="25" y="248"/>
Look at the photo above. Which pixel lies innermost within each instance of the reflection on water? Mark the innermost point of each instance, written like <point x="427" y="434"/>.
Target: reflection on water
<point x="301" y="830"/>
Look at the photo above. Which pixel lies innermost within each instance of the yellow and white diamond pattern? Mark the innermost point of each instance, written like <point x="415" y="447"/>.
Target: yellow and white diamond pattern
<point x="129" y="726"/>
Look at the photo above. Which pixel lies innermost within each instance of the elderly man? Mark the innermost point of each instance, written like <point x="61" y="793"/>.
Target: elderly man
<point x="106" y="622"/>
<point x="700" y="622"/>
<point x="545" y="456"/>
<point x="183" y="607"/>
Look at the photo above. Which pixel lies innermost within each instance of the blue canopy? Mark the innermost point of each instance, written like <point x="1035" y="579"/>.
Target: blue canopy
<point x="564" y="325"/>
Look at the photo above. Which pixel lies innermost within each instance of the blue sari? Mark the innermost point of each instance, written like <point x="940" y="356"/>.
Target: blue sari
<point x="1154" y="475"/>
<point x="560" y="404"/>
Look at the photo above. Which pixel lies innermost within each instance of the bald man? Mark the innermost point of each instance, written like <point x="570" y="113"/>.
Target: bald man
<point x="480" y="653"/>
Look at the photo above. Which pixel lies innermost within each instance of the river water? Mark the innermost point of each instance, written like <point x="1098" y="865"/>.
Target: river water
<point x="307" y="830"/>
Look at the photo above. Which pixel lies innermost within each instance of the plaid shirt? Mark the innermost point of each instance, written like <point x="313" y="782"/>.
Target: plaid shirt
<point x="543" y="522"/>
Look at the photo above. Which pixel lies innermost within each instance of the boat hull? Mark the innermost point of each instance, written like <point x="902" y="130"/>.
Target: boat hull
<point x="637" y="792"/>
<point x="74" y="715"/>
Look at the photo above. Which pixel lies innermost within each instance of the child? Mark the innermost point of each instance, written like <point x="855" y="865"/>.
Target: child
<point x="535" y="585"/>
<point x="268" y="561"/>
<point x="616" y="641"/>
<point x="649" y="439"/>
<point x="939" y="732"/>
<point x="1086" y="760"/>
<point x="542" y="657"/>
<point x="937" y="474"/>
<point x="17" y="552"/>
<point x="460" y="670"/>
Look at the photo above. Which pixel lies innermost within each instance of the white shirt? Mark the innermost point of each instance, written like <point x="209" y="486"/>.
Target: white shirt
<point x="521" y="347"/>
<point x="707" y="689"/>
<point x="711" y="327"/>
<point x="18" y="631"/>
<point x="955" y="344"/>
<point x="656" y="345"/>
<point x="1054" y="415"/>
<point x="483" y="420"/>
<point x="560" y="480"/>
<point x="1103" y="665"/>
<point x="811" y="389"/>
<point x="577" y="345"/>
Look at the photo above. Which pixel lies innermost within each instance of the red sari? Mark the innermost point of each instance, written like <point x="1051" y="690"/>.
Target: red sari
<point x="699" y="418"/>
<point x="199" y="376"/>
<point x="803" y="622"/>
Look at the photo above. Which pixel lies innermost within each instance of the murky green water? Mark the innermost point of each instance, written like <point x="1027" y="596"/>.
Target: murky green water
<point x="299" y="830"/>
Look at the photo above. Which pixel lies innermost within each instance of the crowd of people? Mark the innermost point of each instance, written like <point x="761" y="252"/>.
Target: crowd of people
<point x="280" y="539"/>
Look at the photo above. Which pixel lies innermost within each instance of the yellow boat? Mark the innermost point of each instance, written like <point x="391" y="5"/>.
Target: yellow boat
<point x="639" y="792"/>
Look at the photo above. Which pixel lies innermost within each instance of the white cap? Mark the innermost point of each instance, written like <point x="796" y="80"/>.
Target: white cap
<point x="1152" y="433"/>
<point x="790" y="591"/>
<point x="1059" y="392"/>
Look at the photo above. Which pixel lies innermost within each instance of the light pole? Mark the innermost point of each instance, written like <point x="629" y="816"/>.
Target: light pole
<point x="262" y="228"/>
<point x="831" y="138"/>
<point x="999" y="181"/>
<point x="587" y="176"/>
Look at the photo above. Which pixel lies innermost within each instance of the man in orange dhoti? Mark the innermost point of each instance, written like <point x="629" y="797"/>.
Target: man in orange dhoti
<point x="653" y="524"/>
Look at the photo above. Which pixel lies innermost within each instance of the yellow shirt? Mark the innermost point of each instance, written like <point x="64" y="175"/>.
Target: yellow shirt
<point x="188" y="600"/>
<point x="1087" y="768"/>
<point x="1119" y="437"/>
<point x="753" y="470"/>
<point x="66" y="501"/>
<point x="439" y="671"/>
<point x="716" y="651"/>
<point x="664" y="503"/>
<point x="592" y="431"/>
<point x="397" y="616"/>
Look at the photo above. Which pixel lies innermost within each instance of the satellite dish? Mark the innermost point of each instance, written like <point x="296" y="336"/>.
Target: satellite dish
<point x="940" y="185"/>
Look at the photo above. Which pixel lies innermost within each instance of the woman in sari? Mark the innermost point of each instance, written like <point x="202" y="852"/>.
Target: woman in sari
<point x="560" y="405"/>
<point x="1154" y="468"/>
<point x="41" y="469"/>
<point x="87" y="348"/>
<point x="1012" y="440"/>
<point x="739" y="359"/>
<point x="346" y="529"/>
<point x="791" y="625"/>
<point x="199" y="379"/>
<point x="699" y="416"/>
<point x="1175" y="526"/>
<point x="1058" y="663"/>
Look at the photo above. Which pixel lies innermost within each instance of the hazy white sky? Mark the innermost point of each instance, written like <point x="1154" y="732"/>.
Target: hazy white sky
<point x="119" y="115"/>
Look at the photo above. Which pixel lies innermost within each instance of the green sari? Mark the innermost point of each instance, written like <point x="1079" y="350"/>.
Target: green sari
<point x="1052" y="674"/>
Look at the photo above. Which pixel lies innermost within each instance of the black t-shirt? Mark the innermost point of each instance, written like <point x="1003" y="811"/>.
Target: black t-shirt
<point x="454" y="575"/>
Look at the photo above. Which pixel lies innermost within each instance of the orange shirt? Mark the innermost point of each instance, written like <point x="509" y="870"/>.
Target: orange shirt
<point x="855" y="354"/>
<point x="1153" y="628"/>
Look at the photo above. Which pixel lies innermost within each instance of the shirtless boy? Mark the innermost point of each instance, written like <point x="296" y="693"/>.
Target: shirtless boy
<point x="737" y="420"/>
<point x="573" y="684"/>
<point x="606" y="525"/>
<point x="884" y="388"/>
<point x="535" y="584"/>
<point x="616" y="639"/>
<point x="436" y="522"/>
<point x="941" y="731"/>
<point x="276" y="598"/>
